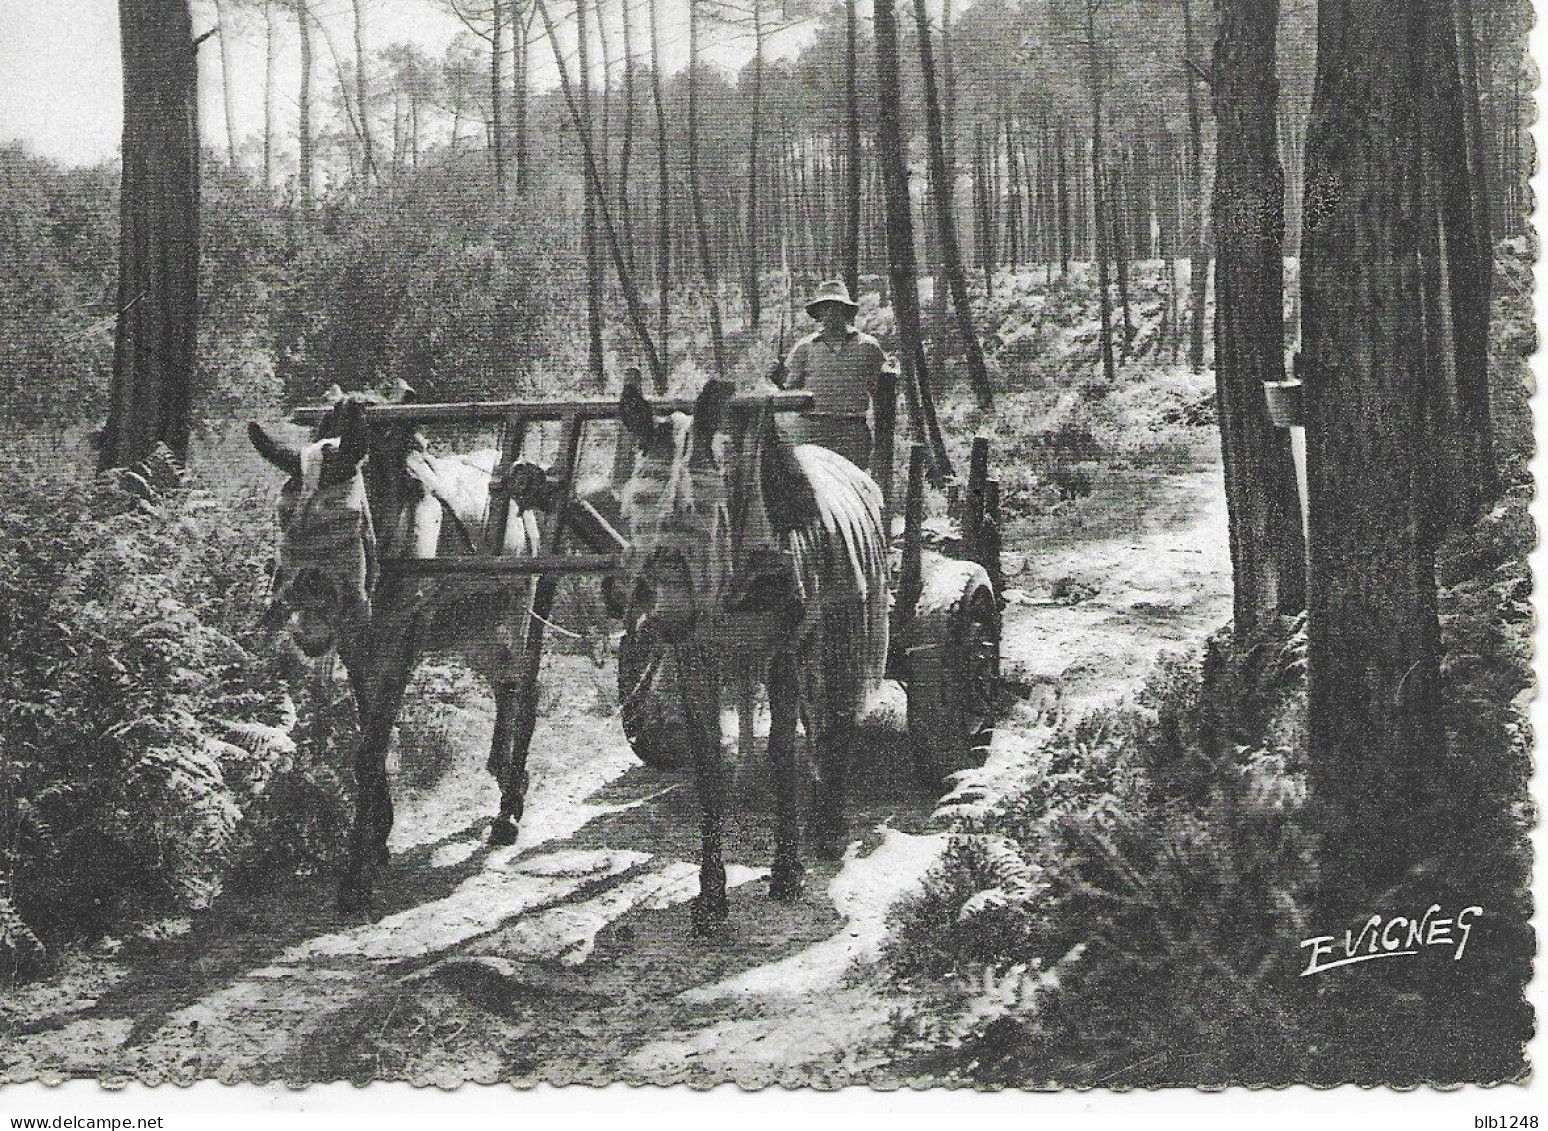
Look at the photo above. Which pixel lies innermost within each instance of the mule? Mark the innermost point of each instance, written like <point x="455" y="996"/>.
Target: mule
<point x="356" y="496"/>
<point x="773" y="558"/>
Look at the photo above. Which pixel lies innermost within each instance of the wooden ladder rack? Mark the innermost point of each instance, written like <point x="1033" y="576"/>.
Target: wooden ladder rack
<point x="540" y="572"/>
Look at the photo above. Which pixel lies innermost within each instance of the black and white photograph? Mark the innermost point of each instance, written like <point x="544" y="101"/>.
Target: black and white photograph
<point x="788" y="544"/>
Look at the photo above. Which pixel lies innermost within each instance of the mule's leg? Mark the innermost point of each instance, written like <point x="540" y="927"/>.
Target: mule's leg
<point x="701" y="702"/>
<point x="829" y="732"/>
<point x="379" y="673"/>
<point x="784" y="698"/>
<point x="509" y="771"/>
<point x="830" y="748"/>
<point x="516" y="705"/>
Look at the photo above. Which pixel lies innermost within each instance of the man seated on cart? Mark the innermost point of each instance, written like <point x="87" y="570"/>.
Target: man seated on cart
<point x="840" y="366"/>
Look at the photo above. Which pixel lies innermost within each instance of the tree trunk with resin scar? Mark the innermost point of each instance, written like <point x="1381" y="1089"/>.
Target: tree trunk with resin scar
<point x="1267" y="551"/>
<point x="891" y="153"/>
<point x="158" y="270"/>
<point x="1377" y="761"/>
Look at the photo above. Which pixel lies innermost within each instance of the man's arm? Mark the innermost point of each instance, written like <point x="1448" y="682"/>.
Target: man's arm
<point x="794" y="375"/>
<point x="875" y="362"/>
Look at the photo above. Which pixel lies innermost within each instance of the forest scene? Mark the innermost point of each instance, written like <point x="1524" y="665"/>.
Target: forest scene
<point x="1209" y="326"/>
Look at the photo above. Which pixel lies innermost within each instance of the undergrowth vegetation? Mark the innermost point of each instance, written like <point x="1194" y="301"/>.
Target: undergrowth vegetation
<point x="1126" y="908"/>
<point x="142" y="733"/>
<point x="1057" y="429"/>
<point x="1132" y="913"/>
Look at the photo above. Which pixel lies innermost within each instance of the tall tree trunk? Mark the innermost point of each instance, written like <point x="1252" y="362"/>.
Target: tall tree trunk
<point x="349" y="140"/>
<point x="227" y="92"/>
<point x="1099" y="195"/>
<point x="832" y="202"/>
<point x="1033" y="175"/>
<point x="1477" y="157"/>
<point x="948" y="81"/>
<point x="496" y="97"/>
<point x="892" y="154"/>
<point x="951" y="253"/>
<point x="1166" y="229"/>
<point x="304" y="106"/>
<point x="823" y="201"/>
<point x="398" y="134"/>
<point x="992" y="191"/>
<point x="362" y="99"/>
<point x="1267" y="551"/>
<point x="1198" y="273"/>
<point x="268" y="95"/>
<point x="346" y="105"/>
<point x="604" y="140"/>
<point x="984" y="240"/>
<point x="1466" y="481"/>
<point x="1179" y="177"/>
<point x="852" y="133"/>
<point x="596" y="364"/>
<point x="754" y="267"/>
<point x="663" y="198"/>
<point x="1015" y="232"/>
<point x="696" y="199"/>
<point x="806" y="169"/>
<point x="521" y="22"/>
<point x="158" y="260"/>
<point x="1149" y="187"/>
<point x="1377" y="768"/>
<point x="1122" y="231"/>
<point x="626" y="149"/>
<point x="1066" y="236"/>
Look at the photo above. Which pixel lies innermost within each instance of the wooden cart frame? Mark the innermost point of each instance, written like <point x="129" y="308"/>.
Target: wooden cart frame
<point x="946" y="652"/>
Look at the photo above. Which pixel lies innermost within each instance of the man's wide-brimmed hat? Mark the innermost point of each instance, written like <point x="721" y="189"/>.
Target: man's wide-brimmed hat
<point x="833" y="291"/>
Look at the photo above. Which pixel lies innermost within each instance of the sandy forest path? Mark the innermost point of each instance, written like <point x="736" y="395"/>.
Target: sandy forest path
<point x="567" y="956"/>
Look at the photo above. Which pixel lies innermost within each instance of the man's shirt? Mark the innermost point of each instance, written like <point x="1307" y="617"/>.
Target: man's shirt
<point x="840" y="373"/>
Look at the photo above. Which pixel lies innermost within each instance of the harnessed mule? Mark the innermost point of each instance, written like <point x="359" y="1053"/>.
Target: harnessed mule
<point x="355" y="496"/>
<point x="773" y="558"/>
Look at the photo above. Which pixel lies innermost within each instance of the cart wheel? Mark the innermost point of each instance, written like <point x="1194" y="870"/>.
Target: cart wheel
<point x="651" y="704"/>
<point x="953" y="665"/>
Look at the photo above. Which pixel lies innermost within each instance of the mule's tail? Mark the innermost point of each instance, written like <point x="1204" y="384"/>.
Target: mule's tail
<point x="850" y="506"/>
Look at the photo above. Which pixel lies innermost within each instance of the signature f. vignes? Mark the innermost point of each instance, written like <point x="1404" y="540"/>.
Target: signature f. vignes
<point x="1398" y="937"/>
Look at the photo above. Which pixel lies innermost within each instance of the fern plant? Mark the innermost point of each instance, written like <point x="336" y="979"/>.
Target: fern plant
<point x="1107" y="909"/>
<point x="141" y="724"/>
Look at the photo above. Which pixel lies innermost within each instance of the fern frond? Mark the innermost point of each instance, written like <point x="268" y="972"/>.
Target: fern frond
<point x="264" y="742"/>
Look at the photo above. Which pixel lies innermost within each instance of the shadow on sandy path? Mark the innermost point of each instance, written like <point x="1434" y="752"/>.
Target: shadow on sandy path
<point x="246" y="930"/>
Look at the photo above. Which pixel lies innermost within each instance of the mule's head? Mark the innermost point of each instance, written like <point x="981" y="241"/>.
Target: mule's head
<point x="325" y="552"/>
<point x="676" y="507"/>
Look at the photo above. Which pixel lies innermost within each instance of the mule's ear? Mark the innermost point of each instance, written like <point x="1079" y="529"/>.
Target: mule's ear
<point x="709" y="411"/>
<point x="634" y="412"/>
<point x="282" y="456"/>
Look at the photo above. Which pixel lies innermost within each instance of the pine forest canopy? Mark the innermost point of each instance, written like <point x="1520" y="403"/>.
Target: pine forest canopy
<point x="431" y="89"/>
<point x="399" y="131"/>
<point x="421" y="69"/>
<point x="1010" y="56"/>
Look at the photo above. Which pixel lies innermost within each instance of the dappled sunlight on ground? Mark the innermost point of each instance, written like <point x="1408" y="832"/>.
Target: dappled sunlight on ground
<point x="569" y="955"/>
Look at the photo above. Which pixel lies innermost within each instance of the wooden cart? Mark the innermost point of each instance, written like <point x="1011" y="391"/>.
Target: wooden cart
<point x="946" y="616"/>
<point x="945" y="630"/>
